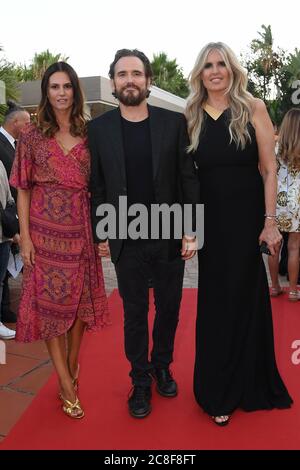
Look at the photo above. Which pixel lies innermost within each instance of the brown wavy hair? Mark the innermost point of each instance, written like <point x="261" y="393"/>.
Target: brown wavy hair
<point x="46" y="120"/>
<point x="289" y="139"/>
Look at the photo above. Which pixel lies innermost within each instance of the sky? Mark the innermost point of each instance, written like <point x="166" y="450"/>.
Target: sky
<point x="89" y="32"/>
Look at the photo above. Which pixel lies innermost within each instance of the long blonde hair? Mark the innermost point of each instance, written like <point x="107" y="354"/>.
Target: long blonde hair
<point x="289" y="139"/>
<point x="240" y="100"/>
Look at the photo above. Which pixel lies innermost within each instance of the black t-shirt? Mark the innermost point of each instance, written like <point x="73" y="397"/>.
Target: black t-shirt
<point x="138" y="161"/>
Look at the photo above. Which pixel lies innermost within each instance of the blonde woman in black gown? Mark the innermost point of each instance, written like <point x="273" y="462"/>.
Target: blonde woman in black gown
<point x="232" y="141"/>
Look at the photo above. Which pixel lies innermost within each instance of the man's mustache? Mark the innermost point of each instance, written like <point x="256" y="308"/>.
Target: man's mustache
<point x="130" y="86"/>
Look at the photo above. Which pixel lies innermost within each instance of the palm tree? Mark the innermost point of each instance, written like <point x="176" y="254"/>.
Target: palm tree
<point x="168" y="75"/>
<point x="268" y="62"/>
<point x="265" y="42"/>
<point x="265" y="64"/>
<point x="9" y="77"/>
<point x="272" y="73"/>
<point x="293" y="66"/>
<point x="40" y="62"/>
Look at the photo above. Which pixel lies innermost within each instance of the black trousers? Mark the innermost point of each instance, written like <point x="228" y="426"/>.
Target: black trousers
<point x="139" y="261"/>
<point x="5" y="304"/>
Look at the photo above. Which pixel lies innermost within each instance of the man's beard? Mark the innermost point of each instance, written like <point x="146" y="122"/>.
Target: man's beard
<point x="131" y="99"/>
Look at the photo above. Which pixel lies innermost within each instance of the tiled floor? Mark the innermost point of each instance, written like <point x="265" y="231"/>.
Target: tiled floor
<point x="28" y="366"/>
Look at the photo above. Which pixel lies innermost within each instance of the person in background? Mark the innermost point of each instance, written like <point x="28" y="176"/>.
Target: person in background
<point x="285" y="236"/>
<point x="63" y="288"/>
<point x="14" y="120"/>
<point x="5" y="197"/>
<point x="232" y="142"/>
<point x="288" y="201"/>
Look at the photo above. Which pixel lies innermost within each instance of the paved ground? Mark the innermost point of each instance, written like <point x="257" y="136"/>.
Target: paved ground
<point x="28" y="366"/>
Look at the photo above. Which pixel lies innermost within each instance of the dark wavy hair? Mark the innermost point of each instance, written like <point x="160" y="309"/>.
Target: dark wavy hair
<point x="131" y="53"/>
<point x="46" y="120"/>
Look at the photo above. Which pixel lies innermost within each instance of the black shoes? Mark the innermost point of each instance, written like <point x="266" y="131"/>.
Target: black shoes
<point x="8" y="317"/>
<point x="165" y="384"/>
<point x="139" y="402"/>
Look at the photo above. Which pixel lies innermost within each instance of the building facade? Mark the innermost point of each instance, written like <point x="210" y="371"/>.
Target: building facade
<point x="98" y="96"/>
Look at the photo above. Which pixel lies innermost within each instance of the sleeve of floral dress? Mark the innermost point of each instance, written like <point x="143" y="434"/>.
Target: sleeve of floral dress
<point x="21" y="173"/>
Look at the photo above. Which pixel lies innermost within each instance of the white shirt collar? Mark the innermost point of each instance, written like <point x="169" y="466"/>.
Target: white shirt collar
<point x="9" y="137"/>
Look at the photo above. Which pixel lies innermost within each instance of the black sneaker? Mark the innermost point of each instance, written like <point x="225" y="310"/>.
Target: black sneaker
<point x="139" y="402"/>
<point x="165" y="384"/>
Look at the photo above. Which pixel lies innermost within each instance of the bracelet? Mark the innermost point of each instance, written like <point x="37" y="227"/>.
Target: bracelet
<point x="270" y="216"/>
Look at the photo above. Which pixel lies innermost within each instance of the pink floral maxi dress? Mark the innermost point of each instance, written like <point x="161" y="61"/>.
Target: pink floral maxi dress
<point x="67" y="279"/>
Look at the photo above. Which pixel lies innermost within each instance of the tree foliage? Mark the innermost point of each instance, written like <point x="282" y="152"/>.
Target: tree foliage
<point x="272" y="72"/>
<point x="40" y="62"/>
<point x="168" y="76"/>
<point x="9" y="76"/>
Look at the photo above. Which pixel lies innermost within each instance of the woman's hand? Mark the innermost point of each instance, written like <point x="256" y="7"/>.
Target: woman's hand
<point x="27" y="251"/>
<point x="271" y="236"/>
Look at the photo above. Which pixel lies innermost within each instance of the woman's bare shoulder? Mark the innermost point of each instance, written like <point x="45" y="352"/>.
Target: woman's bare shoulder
<point x="258" y="106"/>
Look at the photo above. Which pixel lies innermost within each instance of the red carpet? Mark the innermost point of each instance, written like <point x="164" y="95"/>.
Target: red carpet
<point x="176" y="423"/>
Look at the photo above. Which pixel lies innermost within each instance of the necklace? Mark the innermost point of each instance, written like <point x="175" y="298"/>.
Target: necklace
<point x="65" y="149"/>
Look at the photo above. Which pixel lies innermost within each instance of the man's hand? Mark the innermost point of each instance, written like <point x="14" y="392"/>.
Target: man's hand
<point x="188" y="248"/>
<point x="103" y="249"/>
<point x="16" y="239"/>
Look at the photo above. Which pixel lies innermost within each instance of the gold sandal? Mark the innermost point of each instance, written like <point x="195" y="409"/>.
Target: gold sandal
<point x="69" y="408"/>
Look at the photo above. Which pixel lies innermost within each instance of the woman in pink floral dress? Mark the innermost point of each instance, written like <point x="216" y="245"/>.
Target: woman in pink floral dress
<point x="63" y="288"/>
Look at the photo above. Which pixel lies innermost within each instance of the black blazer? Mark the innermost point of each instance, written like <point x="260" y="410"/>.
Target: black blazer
<point x="7" y="155"/>
<point x="175" y="179"/>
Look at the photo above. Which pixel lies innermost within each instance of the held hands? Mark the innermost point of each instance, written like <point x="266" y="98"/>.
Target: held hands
<point x="27" y="251"/>
<point x="188" y="247"/>
<point x="103" y="249"/>
<point x="271" y="236"/>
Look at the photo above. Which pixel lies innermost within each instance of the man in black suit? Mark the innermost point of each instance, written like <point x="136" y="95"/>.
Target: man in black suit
<point x="138" y="151"/>
<point x="15" y="119"/>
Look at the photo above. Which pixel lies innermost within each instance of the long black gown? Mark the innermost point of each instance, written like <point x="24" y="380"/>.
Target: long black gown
<point x="235" y="364"/>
